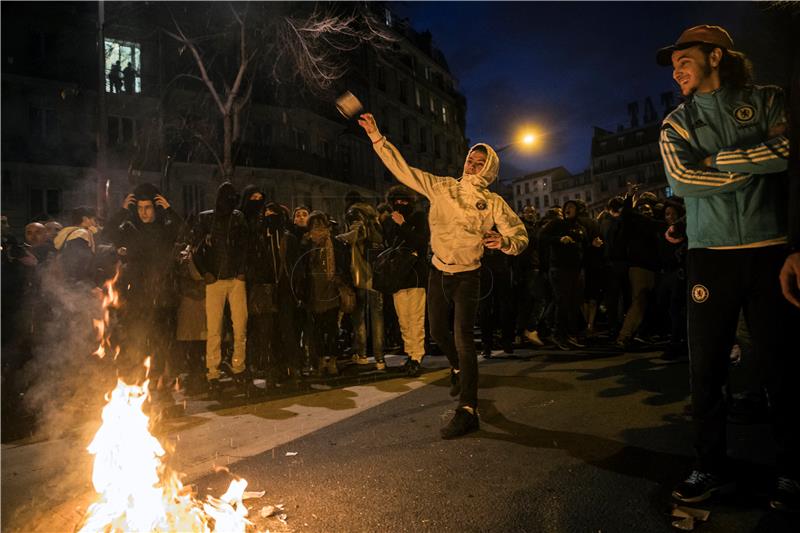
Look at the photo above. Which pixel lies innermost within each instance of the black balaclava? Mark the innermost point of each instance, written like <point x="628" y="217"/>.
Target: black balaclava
<point x="226" y="199"/>
<point x="252" y="208"/>
<point x="276" y="220"/>
<point x="400" y="192"/>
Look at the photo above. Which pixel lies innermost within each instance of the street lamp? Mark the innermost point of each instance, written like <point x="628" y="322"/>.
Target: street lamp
<point x="527" y="139"/>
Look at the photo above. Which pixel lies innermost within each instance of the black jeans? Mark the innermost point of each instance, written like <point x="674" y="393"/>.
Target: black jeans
<point x="566" y="295"/>
<point x="721" y="283"/>
<point x="496" y="308"/>
<point x="461" y="291"/>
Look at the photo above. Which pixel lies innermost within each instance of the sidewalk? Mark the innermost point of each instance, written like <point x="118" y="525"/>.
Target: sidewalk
<point x="46" y="485"/>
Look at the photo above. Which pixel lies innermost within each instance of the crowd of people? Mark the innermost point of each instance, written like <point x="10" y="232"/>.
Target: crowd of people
<point x="255" y="290"/>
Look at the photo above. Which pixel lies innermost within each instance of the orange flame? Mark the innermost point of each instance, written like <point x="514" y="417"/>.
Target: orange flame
<point x="136" y="491"/>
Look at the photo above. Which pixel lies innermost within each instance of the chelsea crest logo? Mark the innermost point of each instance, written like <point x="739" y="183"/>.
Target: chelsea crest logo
<point x="744" y="114"/>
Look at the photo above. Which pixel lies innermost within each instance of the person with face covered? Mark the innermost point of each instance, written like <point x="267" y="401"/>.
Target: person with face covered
<point x="219" y="239"/>
<point x="408" y="228"/>
<point x="75" y="244"/>
<point x="463" y="212"/>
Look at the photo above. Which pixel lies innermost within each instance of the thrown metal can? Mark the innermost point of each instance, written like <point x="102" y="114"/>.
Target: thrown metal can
<point x="349" y="106"/>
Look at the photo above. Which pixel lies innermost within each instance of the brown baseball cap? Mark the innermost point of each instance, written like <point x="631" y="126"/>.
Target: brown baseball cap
<point x="703" y="34"/>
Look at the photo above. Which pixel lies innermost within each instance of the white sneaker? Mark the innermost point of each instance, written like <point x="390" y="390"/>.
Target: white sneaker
<point x="533" y="337"/>
<point x="360" y="359"/>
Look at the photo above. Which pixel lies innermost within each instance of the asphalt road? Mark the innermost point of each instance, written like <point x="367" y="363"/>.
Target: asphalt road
<point x="568" y="442"/>
<point x="583" y="442"/>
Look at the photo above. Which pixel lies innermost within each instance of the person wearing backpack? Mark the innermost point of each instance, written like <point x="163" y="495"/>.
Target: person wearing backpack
<point x="406" y="231"/>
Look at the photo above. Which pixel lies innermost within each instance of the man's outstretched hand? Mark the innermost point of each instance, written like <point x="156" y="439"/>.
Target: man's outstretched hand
<point x="367" y="121"/>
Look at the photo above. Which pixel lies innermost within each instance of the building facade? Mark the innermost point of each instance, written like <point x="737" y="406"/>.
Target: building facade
<point x="71" y="136"/>
<point x="535" y="189"/>
<point x="630" y="155"/>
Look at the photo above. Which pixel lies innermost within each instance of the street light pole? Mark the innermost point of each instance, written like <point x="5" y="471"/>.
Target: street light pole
<point x="102" y="113"/>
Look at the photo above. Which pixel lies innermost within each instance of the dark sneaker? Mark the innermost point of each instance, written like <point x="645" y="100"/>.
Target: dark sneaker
<point x="214" y="390"/>
<point x="455" y="384"/>
<point x="562" y="344"/>
<point x="412" y="368"/>
<point x="786" y="496"/>
<point x="463" y="422"/>
<point x="575" y="342"/>
<point x="508" y="348"/>
<point x="700" y="486"/>
<point x="487" y="353"/>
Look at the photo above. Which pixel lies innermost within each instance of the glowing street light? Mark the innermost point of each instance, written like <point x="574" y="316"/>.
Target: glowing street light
<point x="528" y="139"/>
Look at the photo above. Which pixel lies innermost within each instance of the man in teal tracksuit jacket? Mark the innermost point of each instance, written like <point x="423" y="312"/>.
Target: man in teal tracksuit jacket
<point x="725" y="151"/>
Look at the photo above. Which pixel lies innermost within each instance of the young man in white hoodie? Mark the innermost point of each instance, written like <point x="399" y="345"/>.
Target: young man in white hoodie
<point x="463" y="213"/>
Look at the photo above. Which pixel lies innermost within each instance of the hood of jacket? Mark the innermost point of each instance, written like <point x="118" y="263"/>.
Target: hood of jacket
<point x="490" y="169"/>
<point x="226" y="199"/>
<point x="71" y="233"/>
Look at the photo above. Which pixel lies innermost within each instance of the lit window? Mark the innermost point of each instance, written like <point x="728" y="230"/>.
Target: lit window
<point x="123" y="66"/>
<point x="444" y="114"/>
<point x="387" y="17"/>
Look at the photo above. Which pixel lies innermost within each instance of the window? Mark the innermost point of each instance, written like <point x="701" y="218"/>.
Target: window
<point x="423" y="139"/>
<point x="327" y="153"/>
<point x="527" y="187"/>
<point x="428" y="73"/>
<point x="123" y="66"/>
<point x="437" y="145"/>
<point x="42" y="122"/>
<point x="121" y="130"/>
<point x="620" y="160"/>
<point x="403" y="90"/>
<point x="547" y="200"/>
<point x="387" y="17"/>
<point x="544" y="184"/>
<point x="444" y="114"/>
<point x="621" y="181"/>
<point x="519" y="190"/>
<point x="536" y="202"/>
<point x="603" y="185"/>
<point x="432" y="104"/>
<point x="621" y="140"/>
<point x="588" y="196"/>
<point x="301" y="140"/>
<point x="535" y="185"/>
<point x="45" y="202"/>
<point x="519" y="205"/>
<point x="602" y="165"/>
<point x="639" y="156"/>
<point x="407" y="130"/>
<point x="419" y="98"/>
<point x="577" y="196"/>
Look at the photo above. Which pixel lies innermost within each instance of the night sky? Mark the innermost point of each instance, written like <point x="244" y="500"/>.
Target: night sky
<point x="565" y="67"/>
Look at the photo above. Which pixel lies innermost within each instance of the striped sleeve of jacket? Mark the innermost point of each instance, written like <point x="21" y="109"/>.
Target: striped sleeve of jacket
<point x="685" y="174"/>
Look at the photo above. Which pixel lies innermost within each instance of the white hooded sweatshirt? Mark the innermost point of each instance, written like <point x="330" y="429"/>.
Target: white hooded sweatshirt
<point x="462" y="210"/>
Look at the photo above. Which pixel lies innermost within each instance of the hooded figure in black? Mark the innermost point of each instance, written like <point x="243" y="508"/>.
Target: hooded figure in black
<point x="220" y="243"/>
<point x="565" y="240"/>
<point x="406" y="231"/>
<point x="144" y="233"/>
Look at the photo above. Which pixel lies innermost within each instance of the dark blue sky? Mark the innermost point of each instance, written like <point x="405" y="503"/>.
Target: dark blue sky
<point x="567" y="66"/>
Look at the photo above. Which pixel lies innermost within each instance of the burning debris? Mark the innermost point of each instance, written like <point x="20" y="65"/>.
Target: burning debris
<point x="136" y="490"/>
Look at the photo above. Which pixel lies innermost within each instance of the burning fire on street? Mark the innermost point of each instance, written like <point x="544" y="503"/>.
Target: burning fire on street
<point x="136" y="490"/>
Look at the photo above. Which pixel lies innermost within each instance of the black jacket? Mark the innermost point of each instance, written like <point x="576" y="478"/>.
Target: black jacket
<point x="415" y="235"/>
<point x="564" y="255"/>
<point x="641" y="235"/>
